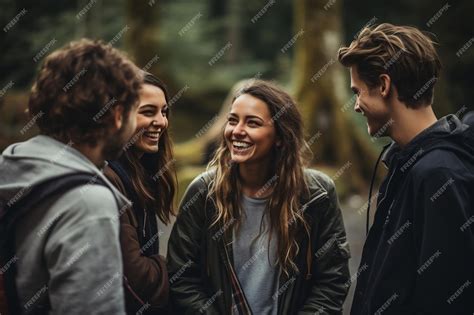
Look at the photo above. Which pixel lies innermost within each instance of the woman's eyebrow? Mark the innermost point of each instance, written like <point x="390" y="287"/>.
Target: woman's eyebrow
<point x="247" y="116"/>
<point x="154" y="106"/>
<point x="253" y="116"/>
<point x="148" y="105"/>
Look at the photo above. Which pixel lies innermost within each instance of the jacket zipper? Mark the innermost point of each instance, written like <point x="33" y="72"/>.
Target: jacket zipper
<point x="386" y="188"/>
<point x="282" y="297"/>
<point x="364" y="291"/>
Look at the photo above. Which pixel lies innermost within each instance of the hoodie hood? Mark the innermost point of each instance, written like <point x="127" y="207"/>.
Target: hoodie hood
<point x="447" y="133"/>
<point x="42" y="158"/>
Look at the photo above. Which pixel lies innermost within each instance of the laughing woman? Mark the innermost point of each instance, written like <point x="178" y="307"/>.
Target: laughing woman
<point x="145" y="174"/>
<point x="258" y="233"/>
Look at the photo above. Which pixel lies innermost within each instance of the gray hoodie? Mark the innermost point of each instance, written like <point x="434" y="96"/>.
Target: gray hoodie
<point x="68" y="247"/>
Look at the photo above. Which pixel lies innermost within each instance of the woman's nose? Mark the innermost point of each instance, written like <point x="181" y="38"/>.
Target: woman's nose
<point x="159" y="121"/>
<point x="239" y="130"/>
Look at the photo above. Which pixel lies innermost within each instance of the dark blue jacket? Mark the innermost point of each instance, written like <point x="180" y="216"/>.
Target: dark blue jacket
<point x="419" y="254"/>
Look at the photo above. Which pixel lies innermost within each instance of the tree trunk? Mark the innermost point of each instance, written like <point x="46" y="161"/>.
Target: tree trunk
<point x="90" y="24"/>
<point x="234" y="30"/>
<point x="142" y="37"/>
<point x="321" y="89"/>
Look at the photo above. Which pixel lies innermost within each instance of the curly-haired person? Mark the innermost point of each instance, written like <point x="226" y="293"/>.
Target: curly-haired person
<point x="60" y="235"/>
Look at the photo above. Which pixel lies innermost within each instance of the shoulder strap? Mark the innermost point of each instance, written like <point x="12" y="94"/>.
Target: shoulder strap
<point x="10" y="214"/>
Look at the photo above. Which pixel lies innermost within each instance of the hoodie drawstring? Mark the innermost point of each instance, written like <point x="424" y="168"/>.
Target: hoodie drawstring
<point x="367" y="222"/>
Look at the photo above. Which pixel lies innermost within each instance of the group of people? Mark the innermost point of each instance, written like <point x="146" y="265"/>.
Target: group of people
<point x="257" y="233"/>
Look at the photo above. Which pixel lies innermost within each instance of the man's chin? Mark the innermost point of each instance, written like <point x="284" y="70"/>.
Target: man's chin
<point x="115" y="147"/>
<point x="371" y="130"/>
<point x="118" y="143"/>
<point x="378" y="132"/>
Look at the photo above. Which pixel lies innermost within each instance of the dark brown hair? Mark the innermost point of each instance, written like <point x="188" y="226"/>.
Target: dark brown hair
<point x="77" y="86"/>
<point x="153" y="175"/>
<point x="406" y="54"/>
<point x="288" y="183"/>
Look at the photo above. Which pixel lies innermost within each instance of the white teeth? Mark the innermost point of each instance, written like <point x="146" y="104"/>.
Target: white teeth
<point x="241" y="145"/>
<point x="152" y="134"/>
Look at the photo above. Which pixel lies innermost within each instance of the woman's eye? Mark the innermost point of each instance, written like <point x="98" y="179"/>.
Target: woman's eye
<point x="147" y="113"/>
<point x="232" y="121"/>
<point x="253" y="123"/>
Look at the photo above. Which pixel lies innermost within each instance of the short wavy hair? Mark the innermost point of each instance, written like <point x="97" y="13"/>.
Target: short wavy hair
<point x="406" y="54"/>
<point x="76" y="88"/>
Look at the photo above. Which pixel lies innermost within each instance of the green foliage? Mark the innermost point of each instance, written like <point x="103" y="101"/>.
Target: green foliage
<point x="191" y="37"/>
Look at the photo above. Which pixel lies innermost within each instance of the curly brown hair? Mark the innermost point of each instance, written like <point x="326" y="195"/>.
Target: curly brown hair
<point x="405" y="53"/>
<point x="77" y="86"/>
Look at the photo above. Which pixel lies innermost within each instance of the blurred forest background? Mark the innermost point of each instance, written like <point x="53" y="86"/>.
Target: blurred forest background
<point x="201" y="49"/>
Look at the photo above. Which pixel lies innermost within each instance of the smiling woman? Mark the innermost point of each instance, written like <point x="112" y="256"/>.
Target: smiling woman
<point x="249" y="132"/>
<point x="152" y="118"/>
<point x="145" y="174"/>
<point x="250" y="226"/>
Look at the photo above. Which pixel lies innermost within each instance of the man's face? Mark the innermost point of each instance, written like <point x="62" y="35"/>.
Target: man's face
<point x="371" y="104"/>
<point x="117" y="140"/>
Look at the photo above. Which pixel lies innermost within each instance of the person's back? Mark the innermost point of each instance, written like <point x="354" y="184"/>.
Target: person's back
<point x="65" y="245"/>
<point x="67" y="255"/>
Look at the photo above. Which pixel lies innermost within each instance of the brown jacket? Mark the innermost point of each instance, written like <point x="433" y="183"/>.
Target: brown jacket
<point x="145" y="278"/>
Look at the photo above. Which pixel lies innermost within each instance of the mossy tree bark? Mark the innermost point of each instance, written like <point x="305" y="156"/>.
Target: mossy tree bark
<point x="321" y="89"/>
<point x="142" y="37"/>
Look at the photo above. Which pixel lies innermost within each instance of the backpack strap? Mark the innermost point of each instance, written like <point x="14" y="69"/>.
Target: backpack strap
<point x="11" y="213"/>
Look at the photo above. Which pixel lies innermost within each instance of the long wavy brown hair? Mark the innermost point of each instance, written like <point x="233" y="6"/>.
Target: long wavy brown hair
<point x="288" y="183"/>
<point x="153" y="175"/>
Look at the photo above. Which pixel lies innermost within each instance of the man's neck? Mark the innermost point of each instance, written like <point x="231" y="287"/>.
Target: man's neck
<point x="409" y="122"/>
<point x="94" y="154"/>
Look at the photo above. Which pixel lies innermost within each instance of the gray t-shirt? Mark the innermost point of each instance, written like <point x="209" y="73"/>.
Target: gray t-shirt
<point x="255" y="263"/>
